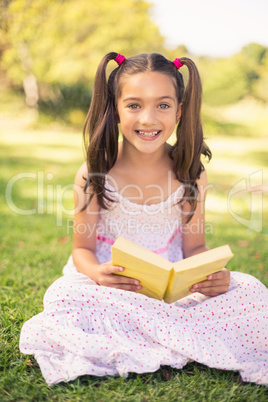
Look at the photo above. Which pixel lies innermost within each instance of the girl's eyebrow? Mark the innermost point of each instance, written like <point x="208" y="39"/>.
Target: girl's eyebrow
<point x="132" y="98"/>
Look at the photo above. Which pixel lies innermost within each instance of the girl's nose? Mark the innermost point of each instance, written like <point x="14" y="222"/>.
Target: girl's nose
<point x="147" y="116"/>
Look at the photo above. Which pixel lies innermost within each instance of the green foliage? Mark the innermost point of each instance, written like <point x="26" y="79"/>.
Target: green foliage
<point x="224" y="83"/>
<point x="227" y="81"/>
<point x="51" y="50"/>
<point x="63" y="42"/>
<point x="260" y="86"/>
<point x="254" y="53"/>
<point x="57" y="45"/>
<point x="179" y="51"/>
<point x="68" y="103"/>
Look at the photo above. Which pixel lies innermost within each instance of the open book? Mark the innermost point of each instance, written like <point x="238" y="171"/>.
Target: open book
<point x="162" y="279"/>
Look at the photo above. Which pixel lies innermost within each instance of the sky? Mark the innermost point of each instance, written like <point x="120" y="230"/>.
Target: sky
<point x="212" y="27"/>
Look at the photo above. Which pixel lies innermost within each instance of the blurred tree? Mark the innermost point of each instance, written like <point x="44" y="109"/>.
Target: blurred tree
<point x="260" y="87"/>
<point x="50" y="45"/>
<point x="179" y="51"/>
<point x="254" y="52"/>
<point x="229" y="80"/>
<point x="224" y="82"/>
<point x="3" y="32"/>
<point x="255" y="59"/>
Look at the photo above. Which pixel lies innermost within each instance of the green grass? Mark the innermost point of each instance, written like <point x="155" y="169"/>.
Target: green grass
<point x="34" y="249"/>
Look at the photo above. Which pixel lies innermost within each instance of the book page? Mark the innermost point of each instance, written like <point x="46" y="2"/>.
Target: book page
<point x="152" y="270"/>
<point x="195" y="269"/>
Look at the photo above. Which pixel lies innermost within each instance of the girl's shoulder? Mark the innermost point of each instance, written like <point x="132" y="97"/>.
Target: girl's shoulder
<point x="81" y="174"/>
<point x="202" y="183"/>
<point x="81" y="191"/>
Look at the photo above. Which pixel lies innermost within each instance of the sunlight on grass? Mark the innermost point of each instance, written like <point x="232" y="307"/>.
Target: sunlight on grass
<point x="57" y="135"/>
<point x="249" y="112"/>
<point x="47" y="153"/>
<point x="238" y="156"/>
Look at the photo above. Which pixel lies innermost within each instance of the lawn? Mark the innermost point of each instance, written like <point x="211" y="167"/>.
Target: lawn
<point x="38" y="165"/>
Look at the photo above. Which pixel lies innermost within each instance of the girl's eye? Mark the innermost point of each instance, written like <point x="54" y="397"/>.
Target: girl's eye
<point x="164" y="106"/>
<point x="133" y="106"/>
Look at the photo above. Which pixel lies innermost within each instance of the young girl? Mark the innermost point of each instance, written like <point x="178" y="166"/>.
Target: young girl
<point x="153" y="193"/>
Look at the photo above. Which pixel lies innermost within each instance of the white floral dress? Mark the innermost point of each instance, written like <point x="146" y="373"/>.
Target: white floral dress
<point x="95" y="330"/>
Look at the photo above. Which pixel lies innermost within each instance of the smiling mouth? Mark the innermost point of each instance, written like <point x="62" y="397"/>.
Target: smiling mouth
<point x="148" y="133"/>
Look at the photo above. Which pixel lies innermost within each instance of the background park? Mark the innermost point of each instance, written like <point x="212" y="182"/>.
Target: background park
<point x="49" y="52"/>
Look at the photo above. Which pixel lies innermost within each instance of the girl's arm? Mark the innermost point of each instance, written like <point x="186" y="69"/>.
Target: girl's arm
<point x="193" y="232"/>
<point x="84" y="241"/>
<point x="193" y="242"/>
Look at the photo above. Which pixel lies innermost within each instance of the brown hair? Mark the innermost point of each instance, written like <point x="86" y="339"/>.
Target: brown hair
<point x="101" y="125"/>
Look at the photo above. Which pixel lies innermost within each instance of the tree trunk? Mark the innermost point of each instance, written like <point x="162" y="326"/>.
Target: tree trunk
<point x="29" y="82"/>
<point x="31" y="91"/>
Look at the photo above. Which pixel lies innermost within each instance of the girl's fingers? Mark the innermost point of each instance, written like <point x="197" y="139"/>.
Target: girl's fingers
<point x="221" y="277"/>
<point x="121" y="283"/>
<point x="215" y="291"/>
<point x="209" y="284"/>
<point x="211" y="288"/>
<point x="116" y="279"/>
<point x="223" y="274"/>
<point x="106" y="278"/>
<point x="216" y="284"/>
<point x="110" y="269"/>
<point x="131" y="288"/>
<point x="123" y="280"/>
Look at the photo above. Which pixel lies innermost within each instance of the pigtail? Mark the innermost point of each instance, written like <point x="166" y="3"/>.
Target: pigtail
<point x="101" y="133"/>
<point x="190" y="144"/>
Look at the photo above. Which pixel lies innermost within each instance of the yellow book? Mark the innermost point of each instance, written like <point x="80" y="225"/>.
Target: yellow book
<point x="162" y="279"/>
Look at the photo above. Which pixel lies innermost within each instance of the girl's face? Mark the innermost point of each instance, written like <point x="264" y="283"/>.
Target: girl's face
<point x="148" y="110"/>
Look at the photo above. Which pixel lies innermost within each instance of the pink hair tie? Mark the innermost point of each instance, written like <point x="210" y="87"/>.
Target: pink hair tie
<point x="119" y="59"/>
<point x="177" y="63"/>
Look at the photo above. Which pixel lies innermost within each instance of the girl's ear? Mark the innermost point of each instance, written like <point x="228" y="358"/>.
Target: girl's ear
<point x="178" y="115"/>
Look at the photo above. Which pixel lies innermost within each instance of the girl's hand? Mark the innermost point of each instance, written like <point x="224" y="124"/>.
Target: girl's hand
<point x="215" y="285"/>
<point x="106" y="278"/>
